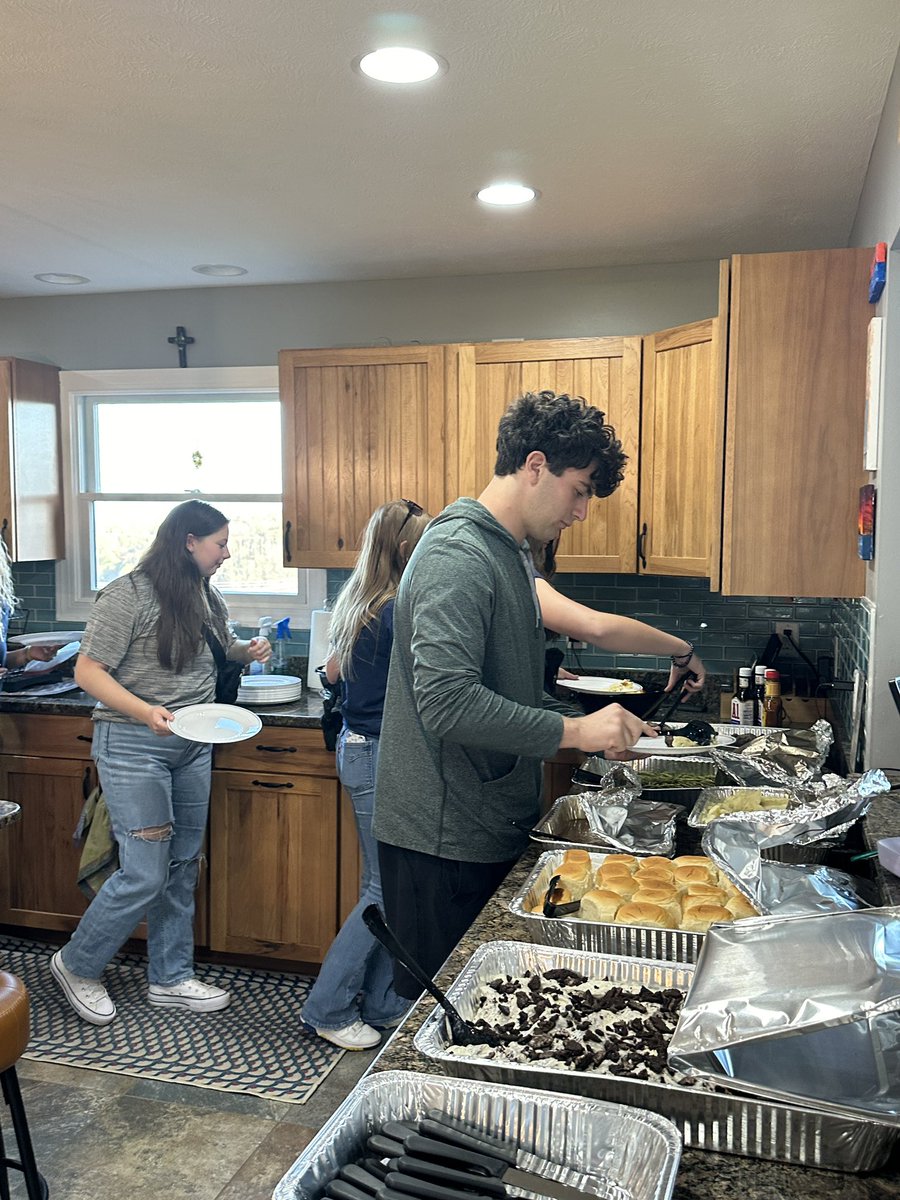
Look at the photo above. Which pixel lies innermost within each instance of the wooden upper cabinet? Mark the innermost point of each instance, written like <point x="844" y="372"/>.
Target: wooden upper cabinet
<point x="31" y="520"/>
<point x="682" y="429"/>
<point x="795" y="423"/>
<point x="607" y="373"/>
<point x="360" y="427"/>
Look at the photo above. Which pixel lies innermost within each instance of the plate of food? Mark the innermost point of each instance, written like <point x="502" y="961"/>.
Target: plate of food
<point x="598" y="685"/>
<point x="696" y="737"/>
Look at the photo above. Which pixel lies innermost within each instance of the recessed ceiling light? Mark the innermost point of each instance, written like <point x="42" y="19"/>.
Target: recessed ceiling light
<point x="400" y="64"/>
<point x="54" y="277"/>
<point x="219" y="269"/>
<point x="507" y="194"/>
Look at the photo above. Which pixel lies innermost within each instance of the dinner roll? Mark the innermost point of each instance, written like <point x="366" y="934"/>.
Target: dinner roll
<point x="699" y="917"/>
<point x="693" y="860"/>
<point x="692" y="874"/>
<point x="666" y="898"/>
<point x="619" y="860"/>
<point x="642" y="913"/>
<point x="577" y="877"/>
<point x="709" y="895"/>
<point x="613" y="870"/>
<point x="651" y="876"/>
<point x="623" y="885"/>
<point x="599" y="905"/>
<point x="656" y="860"/>
<point x="740" y="907"/>
<point x="577" y="856"/>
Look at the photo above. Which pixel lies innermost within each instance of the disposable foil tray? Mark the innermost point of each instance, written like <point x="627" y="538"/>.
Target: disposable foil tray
<point x="569" y="933"/>
<point x="636" y="1152"/>
<point x="789" y="853"/>
<point x="566" y="820"/>
<point x="708" y="1120"/>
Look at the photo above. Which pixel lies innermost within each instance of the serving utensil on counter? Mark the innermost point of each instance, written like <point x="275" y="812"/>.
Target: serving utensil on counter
<point x="462" y="1032"/>
<point x="440" y="1158"/>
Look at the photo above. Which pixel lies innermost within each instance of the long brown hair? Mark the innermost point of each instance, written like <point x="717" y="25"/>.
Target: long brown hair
<point x="376" y="576"/>
<point x="185" y="599"/>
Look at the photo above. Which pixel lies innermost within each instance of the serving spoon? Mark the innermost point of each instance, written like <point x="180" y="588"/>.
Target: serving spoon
<point x="462" y="1032"/>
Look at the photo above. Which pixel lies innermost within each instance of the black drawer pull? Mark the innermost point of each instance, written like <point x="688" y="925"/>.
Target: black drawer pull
<point x="84" y="737"/>
<point x="287" y="541"/>
<point x="277" y="749"/>
<point x="642" y="543"/>
<point x="260" y="783"/>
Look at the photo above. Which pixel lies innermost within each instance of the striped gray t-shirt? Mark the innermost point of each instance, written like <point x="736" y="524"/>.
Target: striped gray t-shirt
<point x="121" y="634"/>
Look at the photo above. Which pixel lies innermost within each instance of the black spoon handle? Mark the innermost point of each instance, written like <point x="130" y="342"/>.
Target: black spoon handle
<point x="379" y="927"/>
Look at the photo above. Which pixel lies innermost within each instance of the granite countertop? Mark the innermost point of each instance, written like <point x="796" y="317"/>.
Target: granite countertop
<point x="703" y="1175"/>
<point x="303" y="713"/>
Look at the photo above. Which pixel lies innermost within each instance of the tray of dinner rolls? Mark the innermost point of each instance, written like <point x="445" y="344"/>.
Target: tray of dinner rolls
<point x="649" y="907"/>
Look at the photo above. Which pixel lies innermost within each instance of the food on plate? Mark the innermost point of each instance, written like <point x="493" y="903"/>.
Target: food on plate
<point x="624" y="685"/>
<point x="688" y="893"/>
<point x="747" y="800"/>
<point x="563" y="1020"/>
<point x="694" y="733"/>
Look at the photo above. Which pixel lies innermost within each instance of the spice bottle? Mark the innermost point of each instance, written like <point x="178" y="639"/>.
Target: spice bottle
<point x="743" y="705"/>
<point x="773" y="710"/>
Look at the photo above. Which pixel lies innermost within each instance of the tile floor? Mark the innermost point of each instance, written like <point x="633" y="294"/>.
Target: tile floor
<point x="99" y="1136"/>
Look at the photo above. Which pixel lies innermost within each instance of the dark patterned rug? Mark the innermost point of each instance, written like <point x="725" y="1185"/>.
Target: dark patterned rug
<point x="258" y="1045"/>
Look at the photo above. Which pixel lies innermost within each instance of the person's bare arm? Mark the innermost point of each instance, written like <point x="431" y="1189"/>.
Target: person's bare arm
<point x="611" y="729"/>
<point x="94" y="678"/>
<point x="609" y="631"/>
<point x="332" y="670"/>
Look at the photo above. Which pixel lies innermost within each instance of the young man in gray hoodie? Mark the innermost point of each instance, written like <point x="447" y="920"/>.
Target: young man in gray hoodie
<point x="466" y="723"/>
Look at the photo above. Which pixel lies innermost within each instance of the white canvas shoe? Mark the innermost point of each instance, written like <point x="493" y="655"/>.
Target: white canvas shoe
<point x="190" y="993"/>
<point x="88" y="997"/>
<point x="357" y="1036"/>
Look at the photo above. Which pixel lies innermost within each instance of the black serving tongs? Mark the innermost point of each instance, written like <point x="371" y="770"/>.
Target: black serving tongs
<point x="675" y="699"/>
<point x="462" y="1032"/>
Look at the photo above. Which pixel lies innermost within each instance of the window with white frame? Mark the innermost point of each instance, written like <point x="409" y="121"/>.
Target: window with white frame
<point x="136" y="443"/>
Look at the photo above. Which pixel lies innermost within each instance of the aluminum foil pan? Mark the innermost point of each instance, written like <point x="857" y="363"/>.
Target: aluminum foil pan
<point x="613" y="1151"/>
<point x="777" y="757"/>
<point x="738" y="845"/>
<point x="593" y="820"/>
<point x="805" y="1010"/>
<point x="632" y="941"/>
<point x="711" y="798"/>
<point x="708" y="1120"/>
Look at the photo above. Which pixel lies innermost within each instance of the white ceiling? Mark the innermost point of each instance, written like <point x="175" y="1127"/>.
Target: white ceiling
<point x="142" y="137"/>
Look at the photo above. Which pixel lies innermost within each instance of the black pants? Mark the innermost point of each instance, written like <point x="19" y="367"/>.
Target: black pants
<point x="430" y="902"/>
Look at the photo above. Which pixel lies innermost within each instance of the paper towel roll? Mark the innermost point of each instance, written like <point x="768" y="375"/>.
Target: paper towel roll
<point x="319" y="625"/>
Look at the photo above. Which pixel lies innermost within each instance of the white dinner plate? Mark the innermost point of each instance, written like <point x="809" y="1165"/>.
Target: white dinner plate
<point x="62" y="655"/>
<point x="657" y="745"/>
<point x="216" y="723"/>
<point x="51" y="638"/>
<point x="252" y="682"/>
<point x="600" y="686"/>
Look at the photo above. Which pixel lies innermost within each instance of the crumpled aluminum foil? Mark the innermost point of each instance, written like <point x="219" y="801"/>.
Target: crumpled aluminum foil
<point x="631" y="823"/>
<point x="607" y="776"/>
<point x="777" y="757"/>
<point x="802" y="1009"/>
<point x="734" y="845"/>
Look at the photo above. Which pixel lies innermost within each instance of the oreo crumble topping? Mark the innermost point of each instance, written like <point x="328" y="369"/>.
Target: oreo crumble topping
<point x="559" y="1018"/>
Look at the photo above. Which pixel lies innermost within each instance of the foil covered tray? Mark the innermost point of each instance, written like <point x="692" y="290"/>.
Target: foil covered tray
<point x="637" y="1152"/>
<point x="708" y="1120"/>
<point x="648" y="829"/>
<point x="632" y="941"/>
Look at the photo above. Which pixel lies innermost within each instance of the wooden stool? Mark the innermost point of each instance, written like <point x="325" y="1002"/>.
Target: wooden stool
<point x="14" y="1033"/>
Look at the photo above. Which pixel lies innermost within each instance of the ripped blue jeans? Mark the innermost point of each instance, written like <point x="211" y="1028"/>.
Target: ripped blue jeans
<point x="157" y="792"/>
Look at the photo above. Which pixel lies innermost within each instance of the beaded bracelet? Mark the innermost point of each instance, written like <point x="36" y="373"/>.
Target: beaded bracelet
<point x="682" y="660"/>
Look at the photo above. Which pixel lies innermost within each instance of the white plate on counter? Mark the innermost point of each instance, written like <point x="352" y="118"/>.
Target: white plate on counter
<point x="51" y="638"/>
<point x="657" y="745"/>
<point x="600" y="686"/>
<point x="215" y="723"/>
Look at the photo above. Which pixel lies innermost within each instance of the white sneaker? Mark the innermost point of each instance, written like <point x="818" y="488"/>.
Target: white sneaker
<point x="192" y="994"/>
<point x="88" y="997"/>
<point x="358" y="1036"/>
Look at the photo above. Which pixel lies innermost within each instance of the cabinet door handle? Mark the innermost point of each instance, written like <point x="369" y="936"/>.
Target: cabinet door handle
<point x="4" y="531"/>
<point x="86" y="783"/>
<point x="262" y="784"/>
<point x="642" y="542"/>
<point x="277" y="749"/>
<point x="287" y="541"/>
<point x="83" y="737"/>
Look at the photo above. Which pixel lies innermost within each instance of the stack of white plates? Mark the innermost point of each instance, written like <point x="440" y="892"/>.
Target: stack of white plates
<point x="269" y="689"/>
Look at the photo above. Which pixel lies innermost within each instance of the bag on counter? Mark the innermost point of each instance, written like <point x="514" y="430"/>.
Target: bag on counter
<point x="228" y="674"/>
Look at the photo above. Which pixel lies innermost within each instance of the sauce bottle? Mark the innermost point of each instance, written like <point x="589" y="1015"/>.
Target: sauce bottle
<point x="773" y="710"/>
<point x="743" y="703"/>
<point x="759" y="693"/>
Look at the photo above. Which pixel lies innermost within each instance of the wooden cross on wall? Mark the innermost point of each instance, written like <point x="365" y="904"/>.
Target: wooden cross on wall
<point x="182" y="341"/>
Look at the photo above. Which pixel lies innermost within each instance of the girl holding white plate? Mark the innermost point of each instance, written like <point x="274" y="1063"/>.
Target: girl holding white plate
<point x="144" y="655"/>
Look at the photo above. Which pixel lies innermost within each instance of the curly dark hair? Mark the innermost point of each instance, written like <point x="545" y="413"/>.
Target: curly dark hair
<point x="568" y="431"/>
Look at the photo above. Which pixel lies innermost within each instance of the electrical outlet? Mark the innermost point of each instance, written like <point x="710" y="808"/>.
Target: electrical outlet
<point x="782" y="627"/>
<point x="573" y="644"/>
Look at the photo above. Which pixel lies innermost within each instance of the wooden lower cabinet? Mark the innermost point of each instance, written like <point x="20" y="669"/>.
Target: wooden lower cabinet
<point x="273" y="864"/>
<point x="38" y="859"/>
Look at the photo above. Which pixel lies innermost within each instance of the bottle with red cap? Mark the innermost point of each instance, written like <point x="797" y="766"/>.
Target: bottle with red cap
<point x="772" y="708"/>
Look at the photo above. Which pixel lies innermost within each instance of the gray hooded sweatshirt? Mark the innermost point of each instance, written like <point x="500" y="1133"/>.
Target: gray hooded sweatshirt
<point x="466" y="722"/>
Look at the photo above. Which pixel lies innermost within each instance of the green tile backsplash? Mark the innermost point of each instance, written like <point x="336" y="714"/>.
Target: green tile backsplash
<point x="728" y="631"/>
